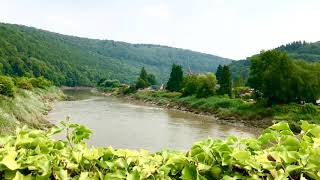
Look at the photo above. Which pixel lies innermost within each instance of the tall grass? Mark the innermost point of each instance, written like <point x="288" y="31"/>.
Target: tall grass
<point x="26" y="107"/>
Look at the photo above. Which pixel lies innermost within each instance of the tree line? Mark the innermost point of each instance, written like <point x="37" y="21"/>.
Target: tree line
<point x="277" y="78"/>
<point x="274" y="76"/>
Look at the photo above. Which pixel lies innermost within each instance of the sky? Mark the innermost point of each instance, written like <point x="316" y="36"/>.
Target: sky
<point x="229" y="28"/>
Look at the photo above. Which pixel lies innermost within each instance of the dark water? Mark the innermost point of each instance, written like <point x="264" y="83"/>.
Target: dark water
<point x="121" y="124"/>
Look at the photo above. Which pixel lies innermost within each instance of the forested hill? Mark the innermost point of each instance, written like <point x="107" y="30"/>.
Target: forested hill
<point x="299" y="50"/>
<point x="303" y="50"/>
<point x="74" y="61"/>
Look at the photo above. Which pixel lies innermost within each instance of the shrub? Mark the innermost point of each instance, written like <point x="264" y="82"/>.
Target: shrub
<point x="113" y="83"/>
<point x="40" y="82"/>
<point x="23" y="83"/>
<point x="127" y="90"/>
<point x="7" y="87"/>
<point x="309" y="108"/>
<point x="141" y="84"/>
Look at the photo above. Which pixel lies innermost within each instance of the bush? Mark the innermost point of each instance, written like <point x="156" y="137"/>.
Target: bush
<point x="141" y="84"/>
<point x="40" y="82"/>
<point x="113" y="83"/>
<point x="7" y="87"/>
<point x="127" y="90"/>
<point x="23" y="83"/>
<point x="309" y="108"/>
<point x="200" y="85"/>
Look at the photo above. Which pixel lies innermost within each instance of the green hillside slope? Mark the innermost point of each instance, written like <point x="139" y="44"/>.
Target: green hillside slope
<point x="74" y="61"/>
<point x="299" y="50"/>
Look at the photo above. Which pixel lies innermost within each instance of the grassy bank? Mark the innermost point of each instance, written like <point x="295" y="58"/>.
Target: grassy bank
<point x="26" y="107"/>
<point x="225" y="108"/>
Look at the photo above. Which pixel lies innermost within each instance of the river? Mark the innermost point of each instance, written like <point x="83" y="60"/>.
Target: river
<point x="121" y="124"/>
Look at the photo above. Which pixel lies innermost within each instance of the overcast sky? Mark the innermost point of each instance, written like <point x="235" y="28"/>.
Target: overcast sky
<point x="228" y="28"/>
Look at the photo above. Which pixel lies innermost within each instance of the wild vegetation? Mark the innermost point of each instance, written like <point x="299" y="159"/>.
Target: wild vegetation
<point x="277" y="154"/>
<point x="280" y="80"/>
<point x="298" y="50"/>
<point x="73" y="61"/>
<point x="145" y="79"/>
<point x="25" y="101"/>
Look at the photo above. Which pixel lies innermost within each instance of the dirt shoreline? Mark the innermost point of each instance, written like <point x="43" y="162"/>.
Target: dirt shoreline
<point x="236" y="121"/>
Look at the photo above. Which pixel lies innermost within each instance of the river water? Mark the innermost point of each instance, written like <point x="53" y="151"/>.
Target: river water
<point x="121" y="124"/>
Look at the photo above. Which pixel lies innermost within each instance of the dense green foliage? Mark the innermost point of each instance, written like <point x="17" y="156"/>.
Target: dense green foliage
<point x="108" y="85"/>
<point x="176" y="78"/>
<point x="302" y="50"/>
<point x="74" y="61"/>
<point x="6" y="86"/>
<point x="299" y="50"/>
<point x="238" y="82"/>
<point x="219" y="72"/>
<point x="279" y="79"/>
<point x="145" y="79"/>
<point x="276" y="154"/>
<point x="225" y="82"/>
<point x="202" y="85"/>
<point x="151" y="79"/>
<point x="23" y="83"/>
<point x="142" y="81"/>
<point x="241" y="68"/>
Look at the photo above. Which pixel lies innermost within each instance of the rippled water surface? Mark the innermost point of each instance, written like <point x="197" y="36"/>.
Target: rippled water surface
<point x="122" y="124"/>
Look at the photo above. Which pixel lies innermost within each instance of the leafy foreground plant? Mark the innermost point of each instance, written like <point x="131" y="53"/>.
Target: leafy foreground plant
<point x="276" y="154"/>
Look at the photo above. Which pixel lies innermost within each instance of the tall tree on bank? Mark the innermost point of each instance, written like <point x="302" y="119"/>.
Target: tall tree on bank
<point x="225" y="82"/>
<point x="280" y="79"/>
<point x="219" y="73"/>
<point x="176" y="78"/>
<point x="142" y="81"/>
<point x="143" y="75"/>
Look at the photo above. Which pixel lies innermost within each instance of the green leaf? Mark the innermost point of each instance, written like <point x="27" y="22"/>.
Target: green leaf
<point x="281" y="126"/>
<point x="20" y="176"/>
<point x="242" y="155"/>
<point x="291" y="168"/>
<point x="134" y="176"/>
<point x="189" y="173"/>
<point x="9" y="160"/>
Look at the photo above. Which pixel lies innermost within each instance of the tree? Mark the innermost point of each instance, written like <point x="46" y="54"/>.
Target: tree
<point x="151" y="79"/>
<point x="280" y="79"/>
<point x="219" y="73"/>
<point x="207" y="85"/>
<point x="143" y="75"/>
<point x="176" y="78"/>
<point x="225" y="82"/>
<point x="109" y="83"/>
<point x="190" y="85"/>
<point x="142" y="81"/>
<point x="7" y="87"/>
<point x="202" y="85"/>
<point x="238" y="81"/>
<point x="140" y="84"/>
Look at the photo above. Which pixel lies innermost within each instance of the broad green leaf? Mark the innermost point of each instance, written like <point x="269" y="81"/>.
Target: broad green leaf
<point x="189" y="173"/>
<point x="9" y="160"/>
